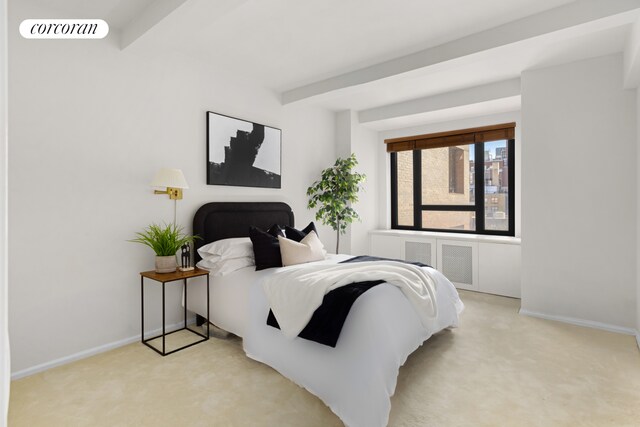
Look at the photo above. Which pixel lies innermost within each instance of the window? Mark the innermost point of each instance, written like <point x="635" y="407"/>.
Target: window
<point x="433" y="181"/>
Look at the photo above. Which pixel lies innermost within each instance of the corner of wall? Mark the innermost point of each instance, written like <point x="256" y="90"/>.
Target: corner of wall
<point x="384" y="185"/>
<point x="5" y="357"/>
<point x="637" y="215"/>
<point x="352" y="137"/>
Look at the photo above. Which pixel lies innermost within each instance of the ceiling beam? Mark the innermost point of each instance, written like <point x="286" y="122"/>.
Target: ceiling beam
<point x="448" y="115"/>
<point x="149" y="18"/>
<point x="566" y="17"/>
<point x="472" y="95"/>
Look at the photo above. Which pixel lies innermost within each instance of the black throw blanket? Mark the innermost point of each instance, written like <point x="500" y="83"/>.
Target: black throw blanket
<point x="327" y="321"/>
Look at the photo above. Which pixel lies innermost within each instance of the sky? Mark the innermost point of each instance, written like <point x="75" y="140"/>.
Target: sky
<point x="490" y="147"/>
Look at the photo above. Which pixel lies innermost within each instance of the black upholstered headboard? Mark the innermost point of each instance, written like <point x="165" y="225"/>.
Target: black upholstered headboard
<point x="223" y="220"/>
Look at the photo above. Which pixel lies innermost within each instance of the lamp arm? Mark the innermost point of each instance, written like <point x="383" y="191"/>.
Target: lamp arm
<point x="174" y="193"/>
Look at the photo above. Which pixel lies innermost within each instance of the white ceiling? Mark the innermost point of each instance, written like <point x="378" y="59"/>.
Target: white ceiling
<point x="117" y="13"/>
<point x="505" y="63"/>
<point x="287" y="44"/>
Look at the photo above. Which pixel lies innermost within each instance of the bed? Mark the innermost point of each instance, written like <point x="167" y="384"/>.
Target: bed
<point x="357" y="378"/>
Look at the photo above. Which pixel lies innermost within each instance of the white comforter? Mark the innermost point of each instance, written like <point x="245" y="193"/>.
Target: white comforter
<point x="357" y="378"/>
<point x="295" y="293"/>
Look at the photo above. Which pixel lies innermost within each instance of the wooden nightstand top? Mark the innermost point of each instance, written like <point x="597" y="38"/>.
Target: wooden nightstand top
<point x="176" y="275"/>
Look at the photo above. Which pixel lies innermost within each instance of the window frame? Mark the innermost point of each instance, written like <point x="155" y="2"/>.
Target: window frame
<point x="478" y="207"/>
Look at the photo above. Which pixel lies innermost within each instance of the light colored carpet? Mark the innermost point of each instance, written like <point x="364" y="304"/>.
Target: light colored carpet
<point x="497" y="369"/>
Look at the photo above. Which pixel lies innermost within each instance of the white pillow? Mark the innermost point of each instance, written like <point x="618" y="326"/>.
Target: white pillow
<point x="307" y="250"/>
<point x="222" y="267"/>
<point x="237" y="247"/>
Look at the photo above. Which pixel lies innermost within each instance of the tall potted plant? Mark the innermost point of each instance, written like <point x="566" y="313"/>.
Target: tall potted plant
<point x="334" y="193"/>
<point x="165" y="241"/>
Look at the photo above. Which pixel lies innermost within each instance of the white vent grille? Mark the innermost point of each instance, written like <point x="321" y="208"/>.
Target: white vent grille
<point x="417" y="252"/>
<point x="457" y="263"/>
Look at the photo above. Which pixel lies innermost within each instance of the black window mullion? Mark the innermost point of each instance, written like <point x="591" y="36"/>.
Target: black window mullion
<point x="479" y="187"/>
<point x="511" y="158"/>
<point x="394" y="190"/>
<point x="417" y="189"/>
<point x="459" y="208"/>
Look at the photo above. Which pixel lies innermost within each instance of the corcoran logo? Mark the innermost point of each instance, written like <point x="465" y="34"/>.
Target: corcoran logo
<point x="64" y="29"/>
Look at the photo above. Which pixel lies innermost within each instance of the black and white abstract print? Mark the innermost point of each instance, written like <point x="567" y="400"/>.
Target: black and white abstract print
<point x="242" y="153"/>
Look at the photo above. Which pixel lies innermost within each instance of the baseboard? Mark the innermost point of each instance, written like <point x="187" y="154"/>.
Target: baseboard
<point x="93" y="351"/>
<point x="580" y="322"/>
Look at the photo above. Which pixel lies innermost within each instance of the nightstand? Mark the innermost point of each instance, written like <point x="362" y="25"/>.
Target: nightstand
<point x="166" y="278"/>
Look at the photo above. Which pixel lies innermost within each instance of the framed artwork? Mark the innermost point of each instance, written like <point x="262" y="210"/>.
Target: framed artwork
<point x="242" y="153"/>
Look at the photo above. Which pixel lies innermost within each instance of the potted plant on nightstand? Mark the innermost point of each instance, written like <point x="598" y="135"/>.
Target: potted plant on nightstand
<point x="165" y="241"/>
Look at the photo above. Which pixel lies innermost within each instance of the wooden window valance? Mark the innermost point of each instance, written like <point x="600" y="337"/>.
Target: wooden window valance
<point x="452" y="138"/>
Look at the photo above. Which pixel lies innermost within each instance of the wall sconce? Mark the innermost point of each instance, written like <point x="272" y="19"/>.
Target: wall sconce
<point x="171" y="179"/>
<point x="173" y="182"/>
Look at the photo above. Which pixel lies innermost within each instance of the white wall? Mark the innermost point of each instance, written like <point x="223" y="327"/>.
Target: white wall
<point x="90" y="125"/>
<point x="365" y="145"/>
<point x="384" y="166"/>
<point x="638" y="220"/>
<point x="5" y="368"/>
<point x="351" y="137"/>
<point x="580" y="190"/>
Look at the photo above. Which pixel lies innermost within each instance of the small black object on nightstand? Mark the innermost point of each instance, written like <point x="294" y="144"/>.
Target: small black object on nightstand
<point x="186" y="258"/>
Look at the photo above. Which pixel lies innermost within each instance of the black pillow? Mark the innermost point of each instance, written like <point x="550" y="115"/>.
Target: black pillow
<point x="266" y="248"/>
<point x="298" y="235"/>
